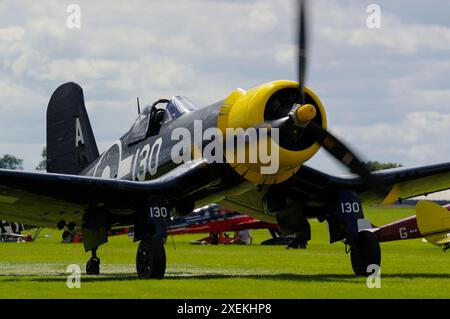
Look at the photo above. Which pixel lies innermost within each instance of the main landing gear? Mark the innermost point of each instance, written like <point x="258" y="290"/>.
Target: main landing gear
<point x="95" y="234"/>
<point x="365" y="252"/>
<point x="150" y="230"/>
<point x="151" y="258"/>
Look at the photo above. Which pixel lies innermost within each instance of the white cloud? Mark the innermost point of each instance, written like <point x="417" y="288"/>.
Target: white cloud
<point x="396" y="35"/>
<point x="392" y="80"/>
<point x="285" y="54"/>
<point x="419" y="138"/>
<point x="64" y="69"/>
<point x="398" y="39"/>
<point x="262" y="17"/>
<point x="11" y="34"/>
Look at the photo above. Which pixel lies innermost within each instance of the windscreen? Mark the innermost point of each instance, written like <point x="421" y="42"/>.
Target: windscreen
<point x="180" y="105"/>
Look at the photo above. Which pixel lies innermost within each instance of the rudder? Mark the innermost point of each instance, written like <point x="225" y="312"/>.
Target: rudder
<point x="71" y="145"/>
<point x="433" y="221"/>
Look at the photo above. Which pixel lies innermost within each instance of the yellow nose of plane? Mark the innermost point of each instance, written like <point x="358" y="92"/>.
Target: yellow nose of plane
<point x="305" y="113"/>
<point x="246" y="109"/>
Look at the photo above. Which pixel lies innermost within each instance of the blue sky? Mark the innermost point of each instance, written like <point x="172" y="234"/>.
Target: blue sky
<point x="386" y="91"/>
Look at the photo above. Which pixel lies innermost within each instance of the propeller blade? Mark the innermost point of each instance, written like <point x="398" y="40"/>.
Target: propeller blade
<point x="305" y="124"/>
<point x="302" y="49"/>
<point x="335" y="147"/>
<point x="344" y="155"/>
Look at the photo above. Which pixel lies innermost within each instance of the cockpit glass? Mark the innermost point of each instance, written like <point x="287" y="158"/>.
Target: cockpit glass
<point x="140" y="126"/>
<point x="179" y="105"/>
<point x="175" y="108"/>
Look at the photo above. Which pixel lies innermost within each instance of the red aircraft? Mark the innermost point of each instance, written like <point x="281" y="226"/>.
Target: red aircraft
<point x="216" y="220"/>
<point x="211" y="219"/>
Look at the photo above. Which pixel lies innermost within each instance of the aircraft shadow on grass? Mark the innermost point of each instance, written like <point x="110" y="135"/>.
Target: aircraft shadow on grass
<point x="250" y="151"/>
<point x="187" y="276"/>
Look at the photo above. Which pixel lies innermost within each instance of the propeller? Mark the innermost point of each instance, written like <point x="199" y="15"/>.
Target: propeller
<point x="344" y="155"/>
<point x="300" y="118"/>
<point x="302" y="54"/>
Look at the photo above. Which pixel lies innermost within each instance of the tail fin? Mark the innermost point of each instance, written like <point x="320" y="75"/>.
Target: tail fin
<point x="71" y="145"/>
<point x="433" y="221"/>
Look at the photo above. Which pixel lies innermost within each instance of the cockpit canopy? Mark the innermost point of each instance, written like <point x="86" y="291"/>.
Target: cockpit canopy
<point x="159" y="113"/>
<point x="179" y="105"/>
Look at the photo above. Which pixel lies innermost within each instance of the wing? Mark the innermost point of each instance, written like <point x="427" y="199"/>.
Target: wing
<point x="403" y="183"/>
<point x="44" y="199"/>
<point x="406" y="183"/>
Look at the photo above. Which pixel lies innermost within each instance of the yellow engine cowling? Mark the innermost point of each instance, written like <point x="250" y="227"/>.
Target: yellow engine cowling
<point x="245" y="109"/>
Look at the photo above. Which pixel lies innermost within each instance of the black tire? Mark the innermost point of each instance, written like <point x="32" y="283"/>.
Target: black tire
<point x="365" y="251"/>
<point x="67" y="236"/>
<point x="151" y="258"/>
<point x="93" y="266"/>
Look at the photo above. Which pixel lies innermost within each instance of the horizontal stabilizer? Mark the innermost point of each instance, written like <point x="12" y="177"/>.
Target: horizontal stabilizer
<point x="443" y="241"/>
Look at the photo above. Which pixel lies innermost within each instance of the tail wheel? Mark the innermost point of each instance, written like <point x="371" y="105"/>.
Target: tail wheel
<point x="365" y="251"/>
<point x="151" y="258"/>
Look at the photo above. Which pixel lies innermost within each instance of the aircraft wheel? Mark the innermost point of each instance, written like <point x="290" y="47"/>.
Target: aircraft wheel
<point x="364" y="252"/>
<point x="93" y="266"/>
<point x="151" y="258"/>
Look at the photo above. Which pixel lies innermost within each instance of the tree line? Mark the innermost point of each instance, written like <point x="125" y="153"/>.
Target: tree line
<point x="9" y="161"/>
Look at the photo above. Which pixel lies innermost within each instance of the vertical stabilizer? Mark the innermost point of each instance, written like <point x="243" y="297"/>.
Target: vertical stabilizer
<point x="71" y="145"/>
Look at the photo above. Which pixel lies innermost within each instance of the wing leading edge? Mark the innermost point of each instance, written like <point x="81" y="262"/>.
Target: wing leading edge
<point x="402" y="183"/>
<point x="44" y="199"/>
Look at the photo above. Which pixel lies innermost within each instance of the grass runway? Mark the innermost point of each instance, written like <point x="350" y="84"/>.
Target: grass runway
<point x="410" y="269"/>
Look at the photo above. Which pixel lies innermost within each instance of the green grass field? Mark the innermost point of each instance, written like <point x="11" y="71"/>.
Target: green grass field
<point x="410" y="269"/>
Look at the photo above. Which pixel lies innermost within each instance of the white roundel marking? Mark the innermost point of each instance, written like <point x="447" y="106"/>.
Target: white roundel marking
<point x="106" y="172"/>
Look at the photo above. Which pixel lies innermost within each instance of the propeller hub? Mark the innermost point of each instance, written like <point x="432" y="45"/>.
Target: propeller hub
<point x="269" y="106"/>
<point x="303" y="114"/>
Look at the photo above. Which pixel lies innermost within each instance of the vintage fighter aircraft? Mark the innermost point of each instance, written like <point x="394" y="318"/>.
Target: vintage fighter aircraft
<point x="138" y="182"/>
